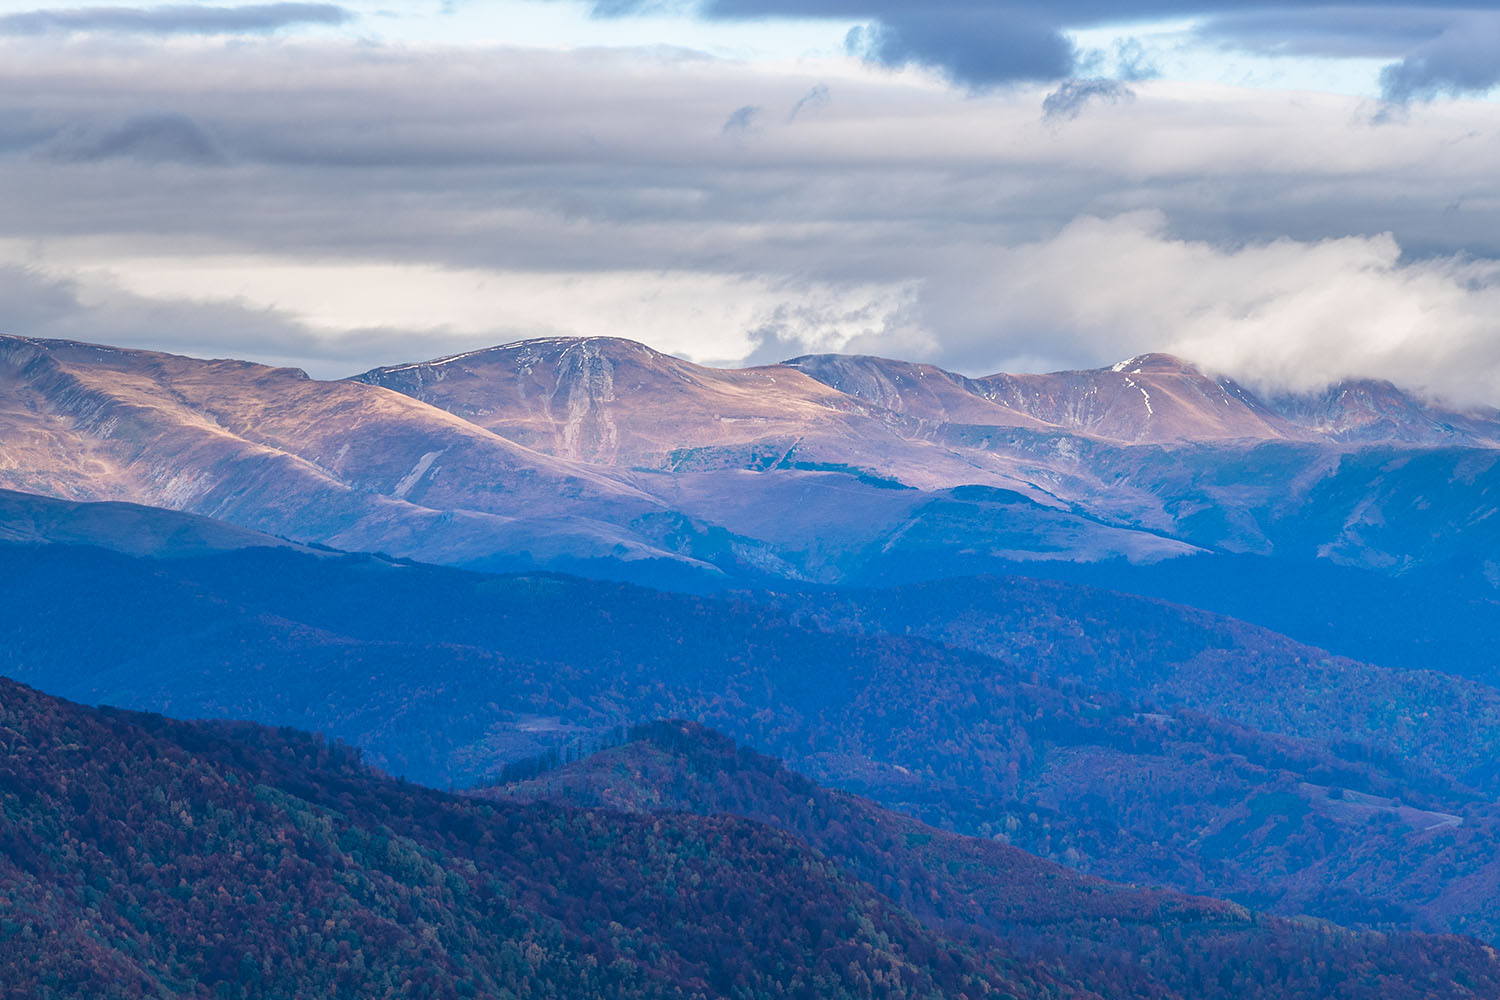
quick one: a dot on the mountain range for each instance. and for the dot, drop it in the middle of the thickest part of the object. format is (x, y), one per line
(605, 458)
(563, 453)
(1025, 643)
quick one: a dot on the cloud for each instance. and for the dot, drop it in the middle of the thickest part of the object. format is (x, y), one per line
(1133, 63)
(1068, 100)
(177, 19)
(816, 97)
(152, 138)
(1280, 313)
(836, 320)
(979, 46)
(982, 44)
(382, 204)
(741, 119)
(1463, 59)
(1438, 50)
(336, 318)
(1338, 31)
(42, 303)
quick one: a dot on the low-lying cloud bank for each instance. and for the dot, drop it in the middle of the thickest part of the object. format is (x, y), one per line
(1283, 314)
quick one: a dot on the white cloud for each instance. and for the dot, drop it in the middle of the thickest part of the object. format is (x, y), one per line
(331, 315)
(1282, 313)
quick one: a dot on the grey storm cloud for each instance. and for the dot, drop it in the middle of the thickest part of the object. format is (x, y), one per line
(346, 153)
(1068, 100)
(1461, 60)
(1448, 46)
(979, 46)
(1437, 51)
(741, 119)
(152, 138)
(175, 19)
(816, 97)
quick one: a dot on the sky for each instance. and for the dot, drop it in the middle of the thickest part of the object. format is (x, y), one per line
(1288, 193)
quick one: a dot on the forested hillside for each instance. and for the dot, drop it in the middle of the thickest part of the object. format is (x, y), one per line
(1118, 737)
(149, 858)
(1126, 939)
(144, 857)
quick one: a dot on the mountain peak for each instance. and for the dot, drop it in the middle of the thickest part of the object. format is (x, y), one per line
(1362, 410)
(614, 347)
(1155, 363)
(614, 401)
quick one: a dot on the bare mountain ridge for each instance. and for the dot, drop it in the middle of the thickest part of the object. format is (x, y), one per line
(1151, 399)
(617, 403)
(603, 399)
(575, 453)
(271, 450)
(1369, 410)
(361, 467)
(1155, 399)
(1152, 445)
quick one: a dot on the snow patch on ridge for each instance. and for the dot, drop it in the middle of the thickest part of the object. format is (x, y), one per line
(1144, 395)
(415, 475)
